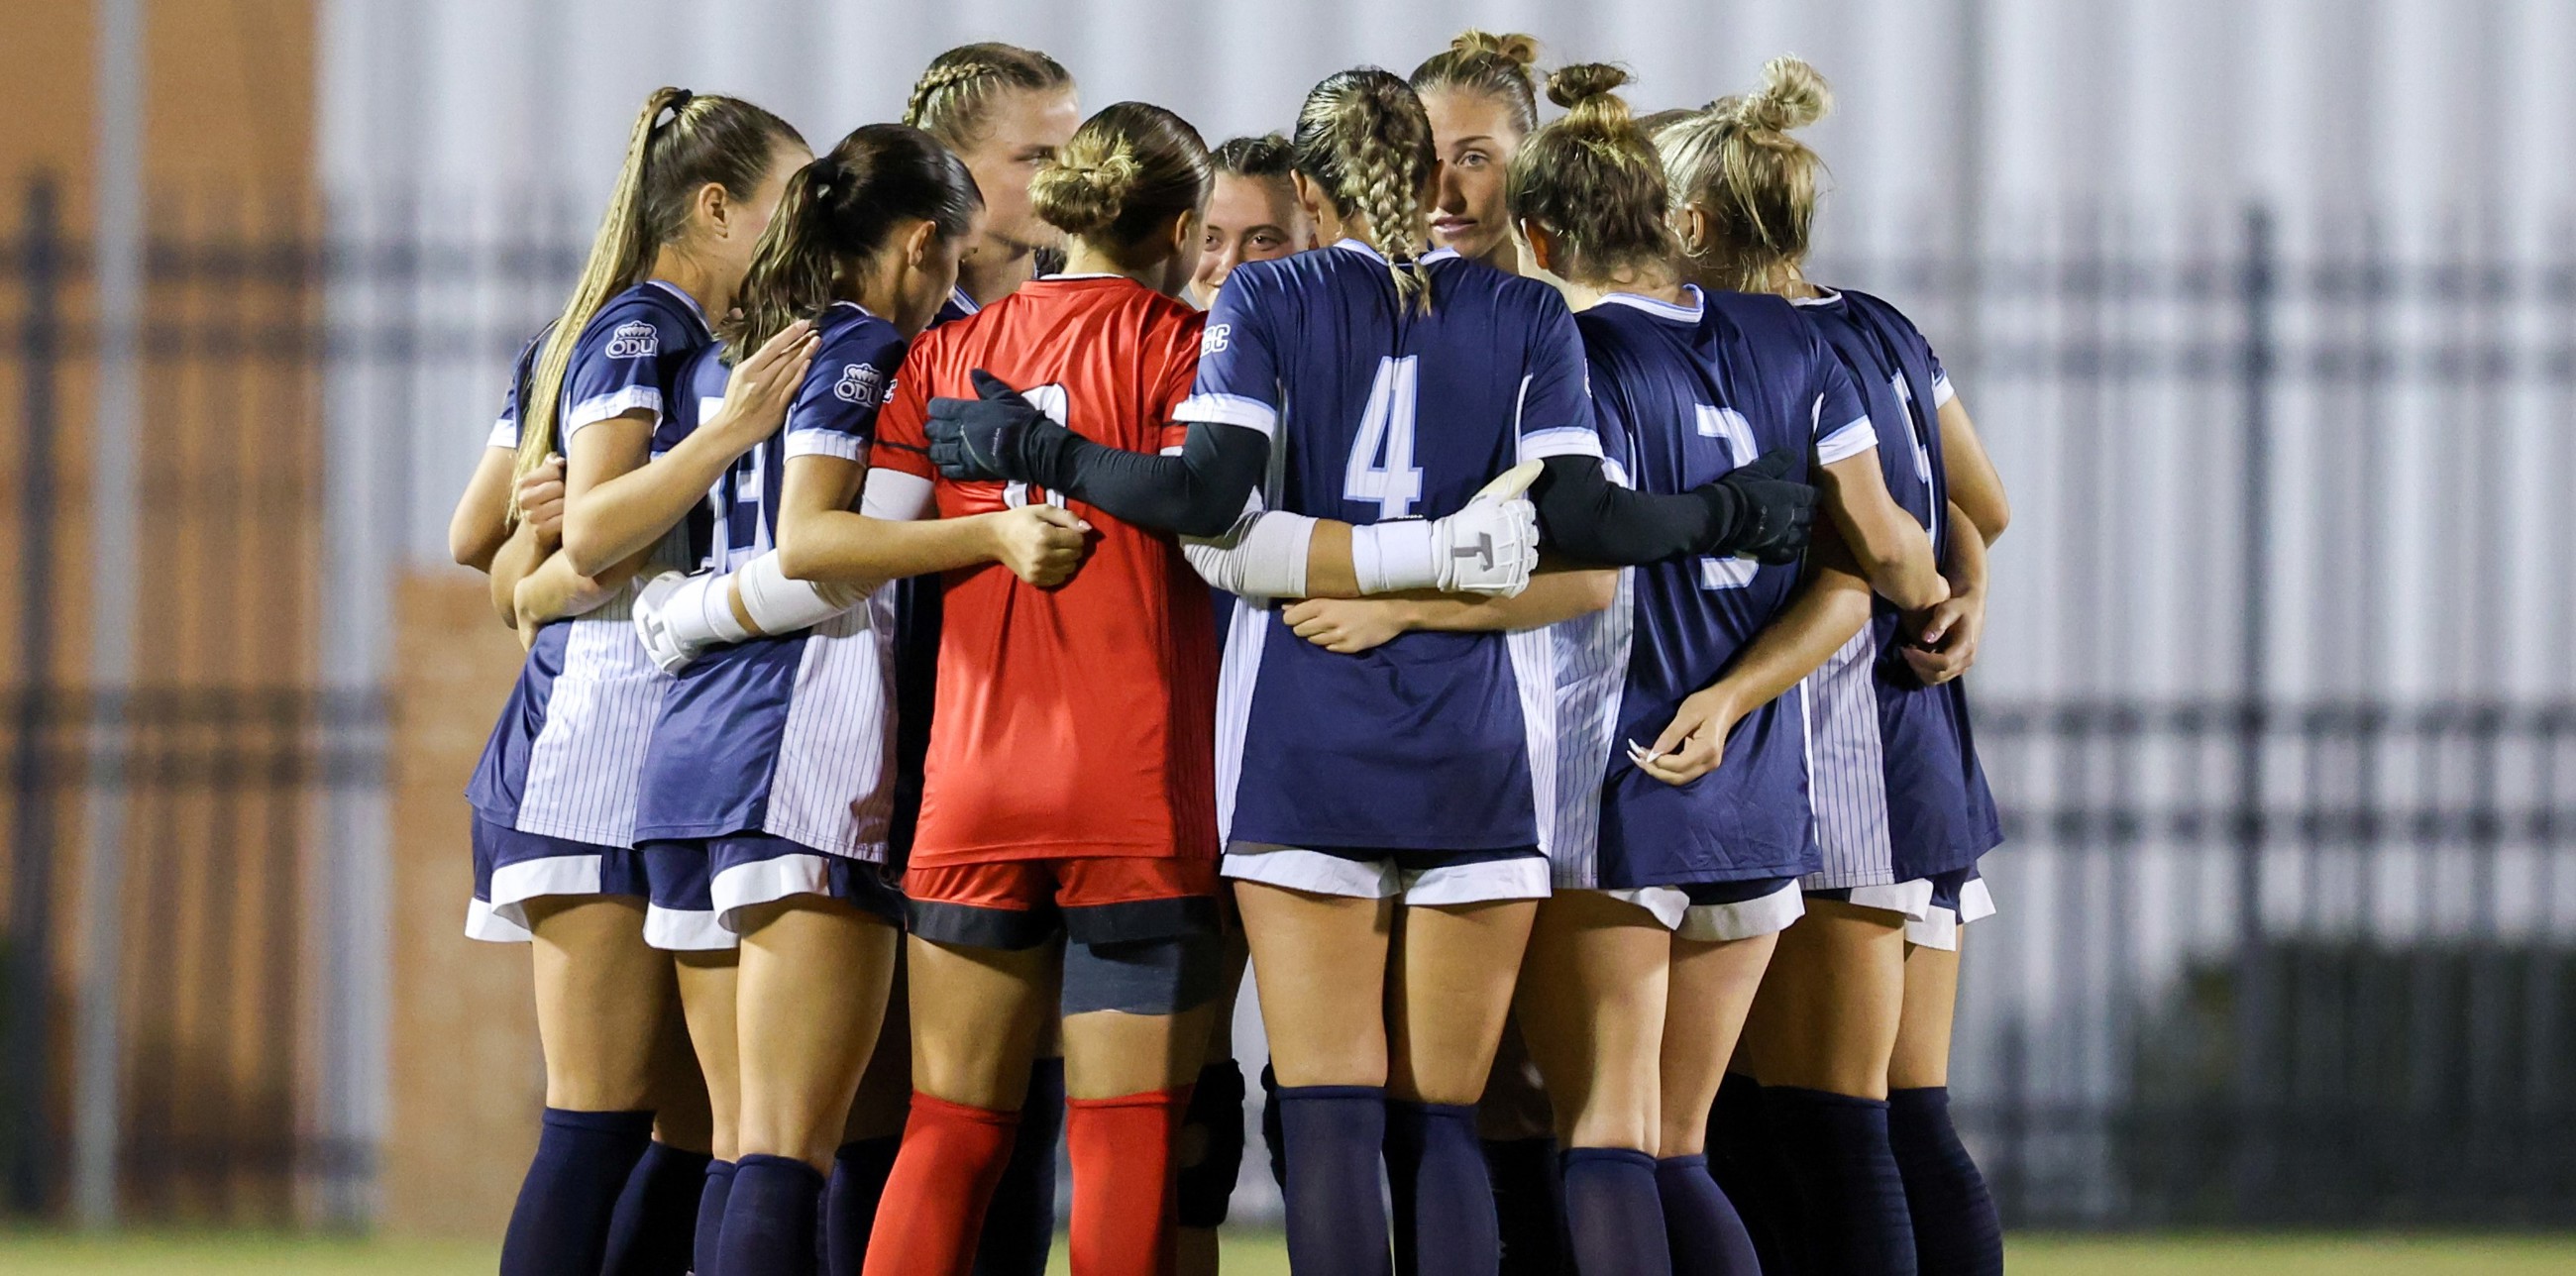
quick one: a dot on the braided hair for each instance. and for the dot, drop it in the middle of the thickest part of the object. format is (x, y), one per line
(1362, 136)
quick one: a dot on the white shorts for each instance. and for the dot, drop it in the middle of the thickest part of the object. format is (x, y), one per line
(1419, 878)
(1940, 927)
(1720, 911)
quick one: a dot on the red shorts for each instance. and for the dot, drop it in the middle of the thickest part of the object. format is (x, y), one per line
(1093, 899)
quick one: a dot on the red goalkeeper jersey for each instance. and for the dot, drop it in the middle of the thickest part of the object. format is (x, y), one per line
(1079, 720)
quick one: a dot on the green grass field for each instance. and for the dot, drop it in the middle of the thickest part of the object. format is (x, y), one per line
(1260, 1255)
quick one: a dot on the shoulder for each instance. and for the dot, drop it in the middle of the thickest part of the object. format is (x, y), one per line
(645, 321)
(1883, 315)
(857, 356)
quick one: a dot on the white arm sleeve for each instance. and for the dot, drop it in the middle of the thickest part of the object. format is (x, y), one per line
(1262, 556)
(782, 606)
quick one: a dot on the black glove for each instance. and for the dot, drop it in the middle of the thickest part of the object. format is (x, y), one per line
(995, 436)
(1765, 515)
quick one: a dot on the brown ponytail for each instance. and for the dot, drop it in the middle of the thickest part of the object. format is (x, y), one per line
(1494, 66)
(845, 205)
(956, 91)
(1593, 179)
(681, 142)
(1362, 136)
(1126, 173)
(1757, 185)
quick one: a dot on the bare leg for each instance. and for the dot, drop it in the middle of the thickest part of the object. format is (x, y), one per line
(1456, 968)
(805, 1037)
(1712, 989)
(1319, 962)
(1827, 1013)
(1922, 1052)
(707, 1005)
(602, 994)
(1592, 1009)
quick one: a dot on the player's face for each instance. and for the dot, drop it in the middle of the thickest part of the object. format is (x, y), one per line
(1022, 130)
(1248, 219)
(1475, 137)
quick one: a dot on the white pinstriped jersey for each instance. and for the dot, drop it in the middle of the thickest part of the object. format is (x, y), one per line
(566, 759)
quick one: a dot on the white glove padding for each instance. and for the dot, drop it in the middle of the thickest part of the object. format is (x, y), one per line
(680, 615)
(1262, 556)
(1489, 547)
(779, 605)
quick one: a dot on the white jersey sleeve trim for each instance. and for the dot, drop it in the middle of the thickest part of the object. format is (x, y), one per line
(505, 433)
(1851, 439)
(1942, 392)
(896, 496)
(824, 443)
(613, 404)
(1563, 440)
(1230, 409)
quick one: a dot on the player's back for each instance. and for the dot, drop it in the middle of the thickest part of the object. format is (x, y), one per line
(1094, 699)
(1380, 409)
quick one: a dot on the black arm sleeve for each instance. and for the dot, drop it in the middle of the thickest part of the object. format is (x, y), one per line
(1198, 493)
(1585, 515)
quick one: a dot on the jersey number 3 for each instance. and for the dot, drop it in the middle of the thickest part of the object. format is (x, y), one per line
(1381, 467)
(1730, 425)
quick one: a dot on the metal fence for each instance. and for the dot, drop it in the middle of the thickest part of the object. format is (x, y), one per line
(2274, 695)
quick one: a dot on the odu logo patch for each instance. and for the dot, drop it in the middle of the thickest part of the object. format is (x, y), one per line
(637, 340)
(861, 384)
(1213, 340)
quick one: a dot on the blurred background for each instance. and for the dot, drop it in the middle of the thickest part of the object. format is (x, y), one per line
(2266, 309)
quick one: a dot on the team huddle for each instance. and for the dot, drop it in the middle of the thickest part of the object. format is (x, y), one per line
(987, 581)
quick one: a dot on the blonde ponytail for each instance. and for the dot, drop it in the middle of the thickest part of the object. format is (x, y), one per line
(706, 138)
(1758, 185)
(1362, 136)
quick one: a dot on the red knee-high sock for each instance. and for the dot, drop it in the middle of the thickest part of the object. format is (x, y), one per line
(943, 1178)
(1124, 1184)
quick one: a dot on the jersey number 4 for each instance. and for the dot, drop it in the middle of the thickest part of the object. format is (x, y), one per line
(1381, 467)
(1730, 425)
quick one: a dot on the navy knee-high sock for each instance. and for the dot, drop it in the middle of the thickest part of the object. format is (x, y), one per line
(1614, 1212)
(1336, 1219)
(770, 1218)
(1956, 1231)
(654, 1229)
(711, 1208)
(858, 1182)
(1529, 1206)
(1019, 1226)
(560, 1225)
(1706, 1235)
(1435, 1161)
(1850, 1200)
(1740, 1159)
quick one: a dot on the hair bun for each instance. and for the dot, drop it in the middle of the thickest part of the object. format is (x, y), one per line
(1574, 85)
(1793, 95)
(1514, 47)
(1083, 190)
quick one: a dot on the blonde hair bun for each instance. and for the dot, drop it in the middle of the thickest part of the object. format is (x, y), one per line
(1083, 190)
(1510, 46)
(1793, 95)
(1582, 82)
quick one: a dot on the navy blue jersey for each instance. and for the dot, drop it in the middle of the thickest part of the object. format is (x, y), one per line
(1684, 395)
(505, 428)
(628, 353)
(1938, 813)
(1376, 411)
(784, 734)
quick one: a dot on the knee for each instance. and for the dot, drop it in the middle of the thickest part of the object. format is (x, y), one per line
(1211, 1145)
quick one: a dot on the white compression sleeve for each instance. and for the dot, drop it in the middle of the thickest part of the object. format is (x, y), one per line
(1262, 556)
(1390, 556)
(699, 612)
(779, 605)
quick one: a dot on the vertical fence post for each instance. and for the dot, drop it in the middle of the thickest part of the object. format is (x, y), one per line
(23, 1063)
(2257, 1123)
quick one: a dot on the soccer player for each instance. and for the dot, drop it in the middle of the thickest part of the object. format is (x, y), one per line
(1483, 102)
(790, 793)
(1667, 864)
(1068, 829)
(554, 795)
(1252, 214)
(1005, 110)
(1901, 805)
(1340, 776)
